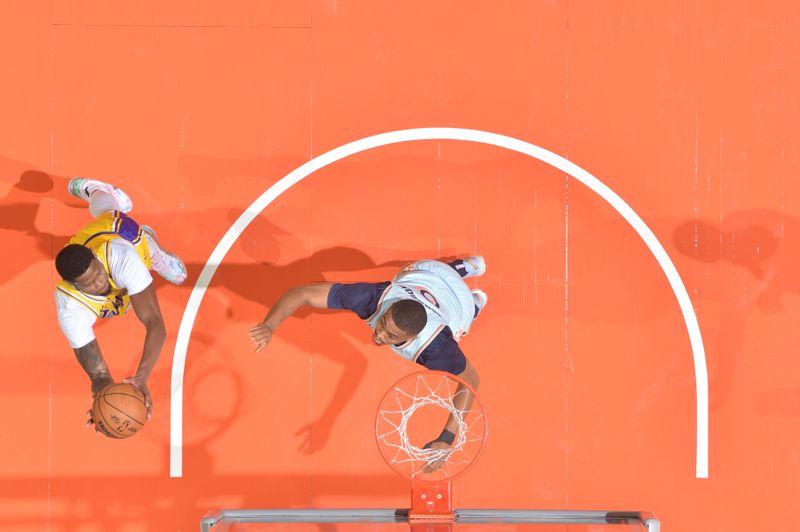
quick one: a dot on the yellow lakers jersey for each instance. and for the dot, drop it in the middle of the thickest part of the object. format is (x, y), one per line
(96, 236)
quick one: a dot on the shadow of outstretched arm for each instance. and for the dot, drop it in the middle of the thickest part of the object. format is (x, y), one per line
(314, 436)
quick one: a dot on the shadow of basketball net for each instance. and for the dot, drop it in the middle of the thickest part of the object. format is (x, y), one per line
(411, 416)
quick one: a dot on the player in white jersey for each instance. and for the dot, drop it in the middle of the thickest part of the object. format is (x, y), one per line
(422, 314)
(105, 270)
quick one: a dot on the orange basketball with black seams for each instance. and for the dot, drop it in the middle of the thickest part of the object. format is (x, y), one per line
(119, 410)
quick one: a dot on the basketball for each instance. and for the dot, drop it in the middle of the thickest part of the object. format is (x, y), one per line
(119, 410)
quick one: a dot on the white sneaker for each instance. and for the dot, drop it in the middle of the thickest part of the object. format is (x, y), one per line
(84, 188)
(475, 266)
(480, 298)
(166, 264)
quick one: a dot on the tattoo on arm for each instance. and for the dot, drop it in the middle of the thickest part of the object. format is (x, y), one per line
(91, 360)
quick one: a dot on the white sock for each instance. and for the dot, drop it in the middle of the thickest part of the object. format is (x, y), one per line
(100, 202)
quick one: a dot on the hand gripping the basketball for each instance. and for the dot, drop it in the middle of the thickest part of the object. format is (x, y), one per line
(99, 383)
(141, 383)
(101, 386)
(97, 428)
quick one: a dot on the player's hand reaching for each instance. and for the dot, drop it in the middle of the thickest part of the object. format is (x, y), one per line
(261, 335)
(97, 428)
(439, 451)
(439, 458)
(141, 383)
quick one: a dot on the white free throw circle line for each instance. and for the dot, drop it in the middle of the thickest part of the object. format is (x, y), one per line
(437, 133)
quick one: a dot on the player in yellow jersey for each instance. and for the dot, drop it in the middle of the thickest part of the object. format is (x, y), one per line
(105, 270)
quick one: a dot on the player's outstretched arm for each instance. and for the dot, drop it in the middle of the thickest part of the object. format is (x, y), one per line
(92, 362)
(463, 402)
(147, 310)
(313, 295)
(463, 397)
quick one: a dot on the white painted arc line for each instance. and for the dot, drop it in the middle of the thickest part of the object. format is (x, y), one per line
(468, 135)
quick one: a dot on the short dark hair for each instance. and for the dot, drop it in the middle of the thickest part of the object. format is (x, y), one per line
(73, 261)
(409, 316)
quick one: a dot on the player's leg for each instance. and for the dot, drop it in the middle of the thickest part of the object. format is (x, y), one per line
(101, 196)
(472, 267)
(165, 263)
(469, 266)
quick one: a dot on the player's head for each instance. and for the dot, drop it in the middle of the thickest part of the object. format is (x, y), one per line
(77, 264)
(401, 322)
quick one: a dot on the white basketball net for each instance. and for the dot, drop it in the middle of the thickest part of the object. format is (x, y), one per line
(397, 410)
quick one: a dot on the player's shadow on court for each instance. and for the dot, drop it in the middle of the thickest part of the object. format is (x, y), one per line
(265, 279)
(20, 211)
(265, 283)
(763, 242)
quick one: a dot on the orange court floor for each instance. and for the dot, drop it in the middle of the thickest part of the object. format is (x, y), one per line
(687, 111)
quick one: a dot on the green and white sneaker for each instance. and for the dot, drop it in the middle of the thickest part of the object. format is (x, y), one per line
(84, 188)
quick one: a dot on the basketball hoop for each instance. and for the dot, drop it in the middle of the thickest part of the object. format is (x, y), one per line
(411, 415)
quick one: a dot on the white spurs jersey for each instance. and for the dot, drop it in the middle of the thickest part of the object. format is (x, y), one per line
(439, 288)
